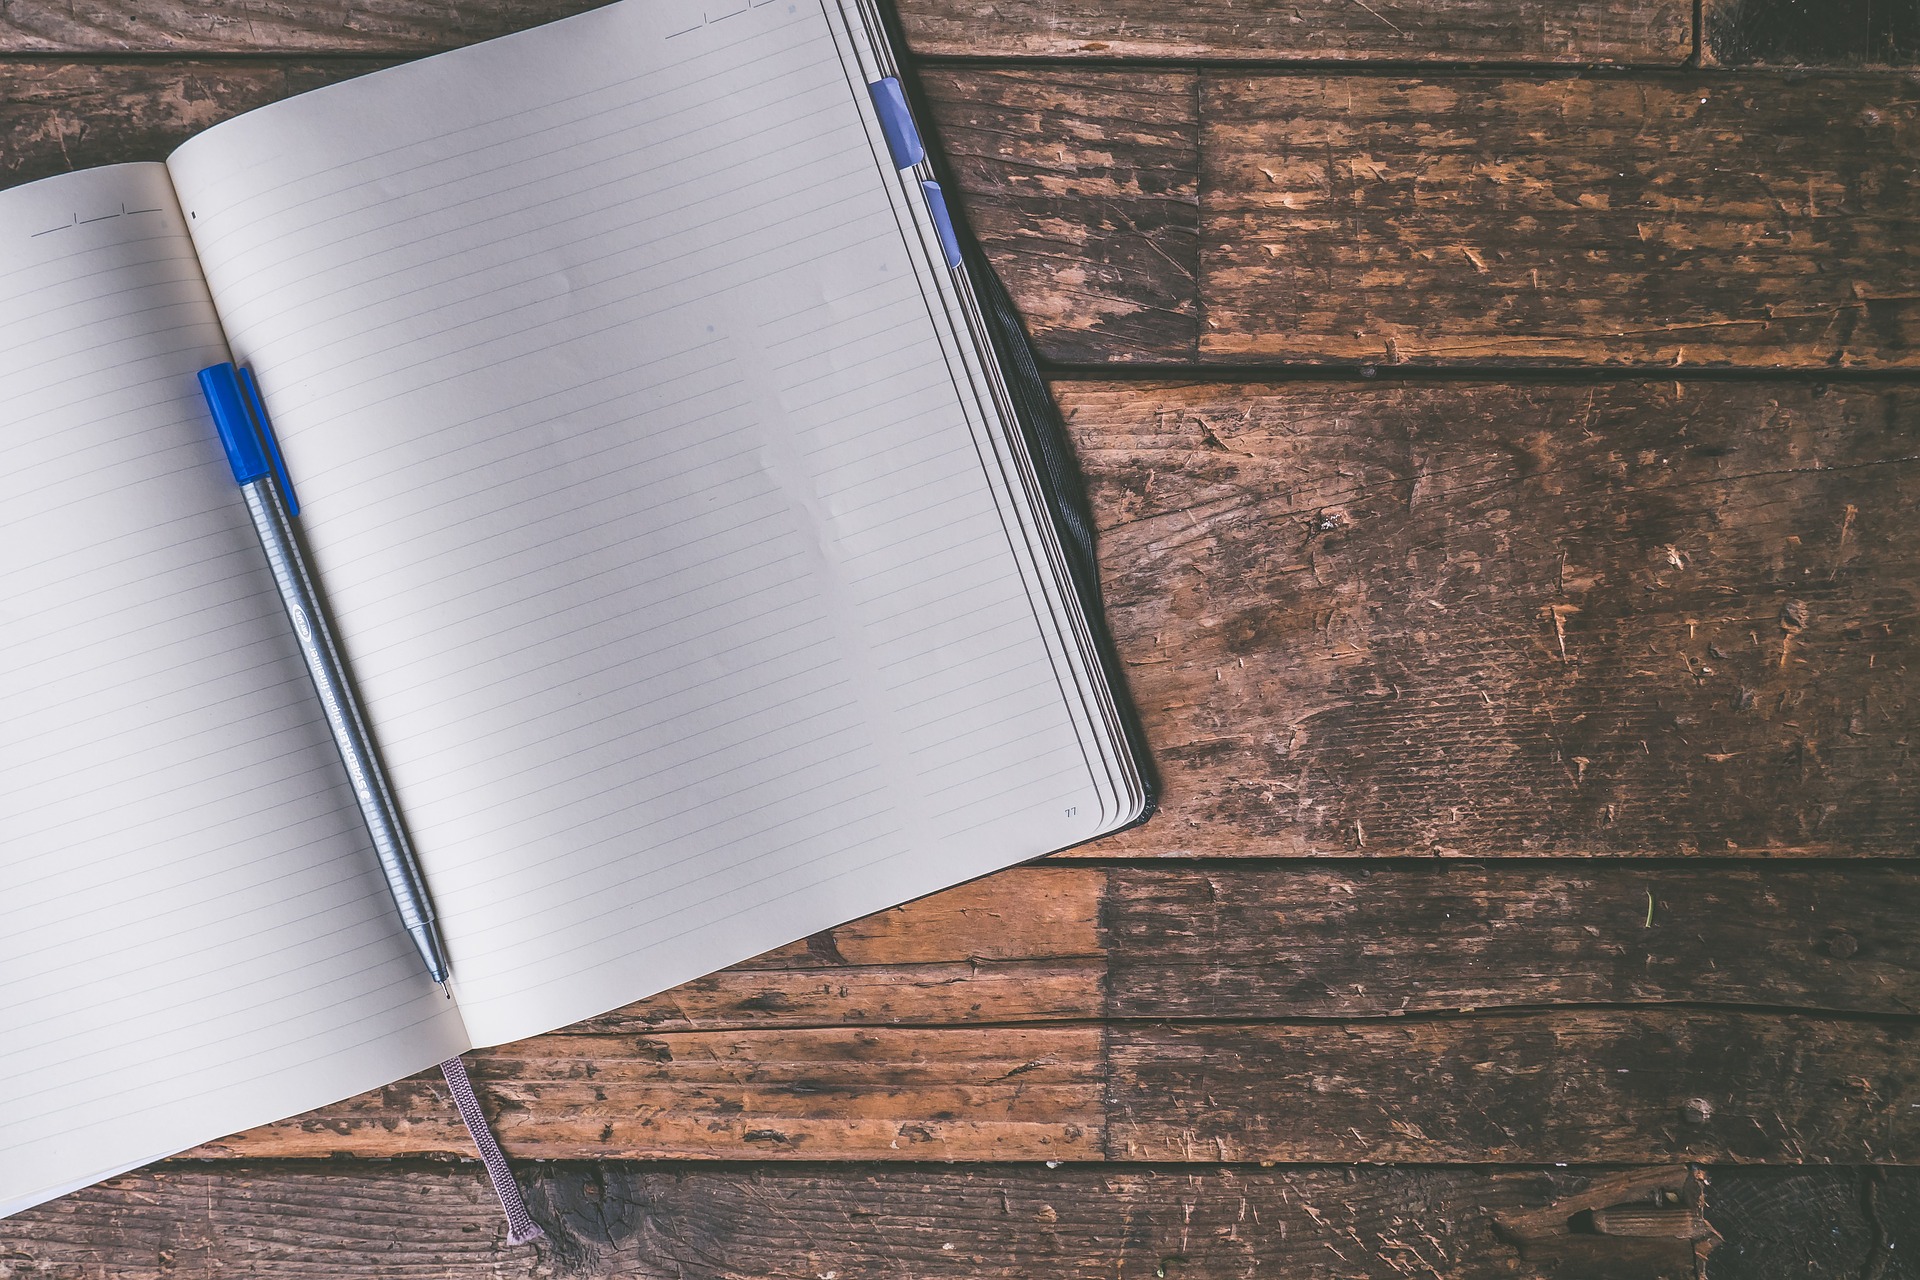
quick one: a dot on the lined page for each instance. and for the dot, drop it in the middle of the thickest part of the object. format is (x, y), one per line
(643, 491)
(194, 936)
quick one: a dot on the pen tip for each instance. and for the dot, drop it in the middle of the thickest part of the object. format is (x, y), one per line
(447, 990)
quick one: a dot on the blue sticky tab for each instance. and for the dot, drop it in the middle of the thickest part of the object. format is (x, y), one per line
(259, 408)
(903, 140)
(942, 222)
(221, 386)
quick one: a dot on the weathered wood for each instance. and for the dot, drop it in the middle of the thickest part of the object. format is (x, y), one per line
(916, 994)
(191, 1222)
(999, 1093)
(1464, 618)
(1798, 33)
(1631, 1087)
(1658, 32)
(1751, 222)
(1278, 941)
(198, 1222)
(1635, 1223)
(1083, 188)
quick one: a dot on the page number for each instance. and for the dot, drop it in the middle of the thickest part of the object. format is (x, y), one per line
(1073, 809)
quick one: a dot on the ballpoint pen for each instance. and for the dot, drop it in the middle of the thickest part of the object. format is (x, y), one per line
(240, 416)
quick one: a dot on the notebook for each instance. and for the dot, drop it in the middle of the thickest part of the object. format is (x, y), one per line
(702, 540)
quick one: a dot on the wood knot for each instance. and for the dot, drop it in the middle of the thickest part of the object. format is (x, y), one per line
(1842, 945)
(1794, 615)
(1696, 1111)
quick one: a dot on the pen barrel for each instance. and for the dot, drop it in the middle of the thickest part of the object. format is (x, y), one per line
(345, 718)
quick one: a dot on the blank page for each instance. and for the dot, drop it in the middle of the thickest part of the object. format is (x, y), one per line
(194, 937)
(644, 493)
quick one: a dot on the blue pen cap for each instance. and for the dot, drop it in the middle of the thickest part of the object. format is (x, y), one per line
(220, 383)
(251, 389)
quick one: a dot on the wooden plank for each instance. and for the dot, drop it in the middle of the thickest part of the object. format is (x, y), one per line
(1291, 941)
(1630, 1086)
(948, 993)
(196, 1222)
(1633, 1087)
(1656, 32)
(884, 1093)
(1475, 619)
(1846, 33)
(1749, 222)
(1659, 32)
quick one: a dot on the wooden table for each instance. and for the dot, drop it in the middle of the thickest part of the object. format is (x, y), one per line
(1503, 422)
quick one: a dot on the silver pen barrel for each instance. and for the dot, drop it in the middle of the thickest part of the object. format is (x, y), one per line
(267, 504)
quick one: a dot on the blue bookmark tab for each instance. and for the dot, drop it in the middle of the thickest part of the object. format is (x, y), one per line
(942, 222)
(903, 140)
(259, 407)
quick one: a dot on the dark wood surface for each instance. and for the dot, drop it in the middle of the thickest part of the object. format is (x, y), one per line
(1505, 462)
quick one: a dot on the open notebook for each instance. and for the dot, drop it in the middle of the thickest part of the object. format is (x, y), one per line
(699, 535)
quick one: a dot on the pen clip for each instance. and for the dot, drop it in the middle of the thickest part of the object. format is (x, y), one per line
(257, 408)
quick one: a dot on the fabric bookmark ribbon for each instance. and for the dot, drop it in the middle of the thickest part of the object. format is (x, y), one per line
(521, 1228)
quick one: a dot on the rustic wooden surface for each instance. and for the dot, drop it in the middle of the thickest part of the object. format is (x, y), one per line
(1505, 475)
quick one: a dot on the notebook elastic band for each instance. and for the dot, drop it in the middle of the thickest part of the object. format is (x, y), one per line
(521, 1228)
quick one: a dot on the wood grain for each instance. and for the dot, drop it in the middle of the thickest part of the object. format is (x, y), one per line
(1794, 33)
(1750, 222)
(1477, 619)
(197, 1222)
(1291, 941)
(1651, 32)
(1083, 188)
(1610, 1085)
(1587, 31)
(1335, 940)
(1633, 1087)
(797, 1223)
(883, 1093)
